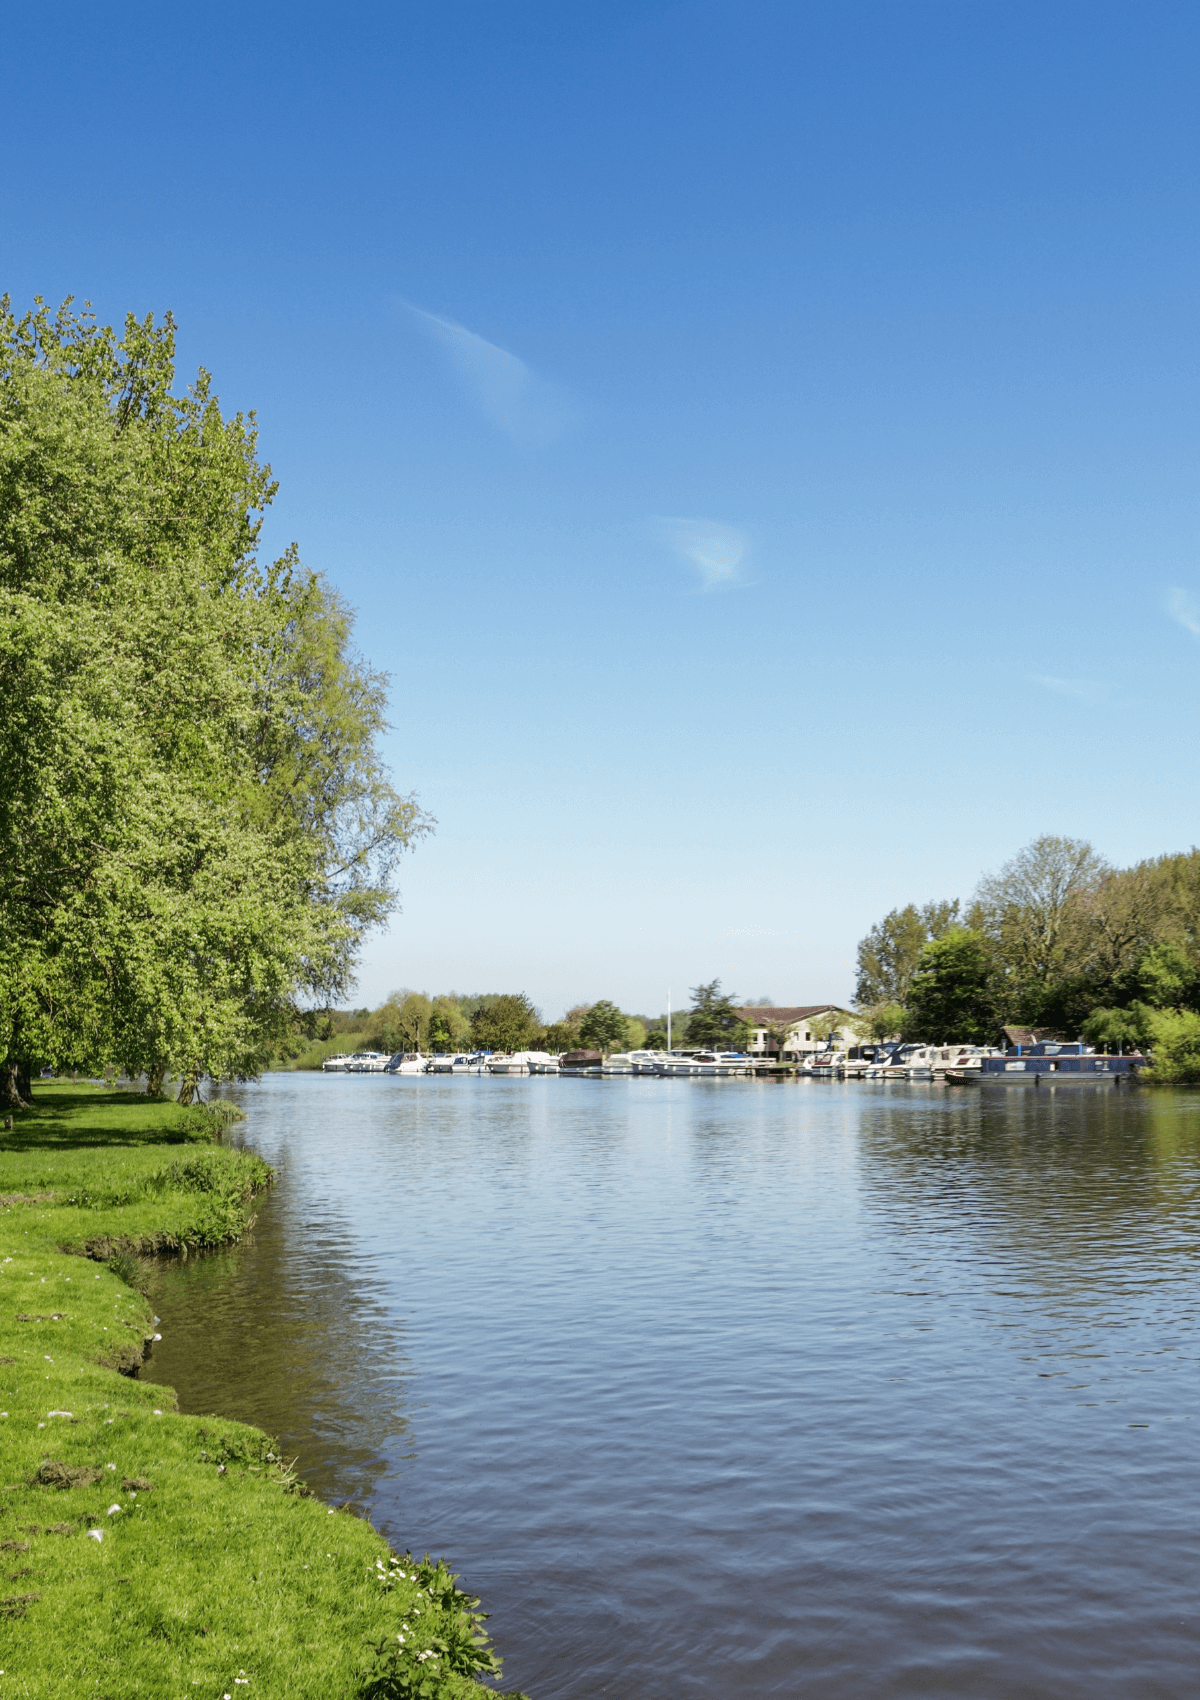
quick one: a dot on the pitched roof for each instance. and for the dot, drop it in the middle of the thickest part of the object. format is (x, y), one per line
(770, 1015)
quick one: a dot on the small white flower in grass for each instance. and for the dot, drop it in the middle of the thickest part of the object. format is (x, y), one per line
(113, 1509)
(96, 1534)
(110, 1466)
(109, 1420)
(158, 1413)
(41, 1425)
(47, 1357)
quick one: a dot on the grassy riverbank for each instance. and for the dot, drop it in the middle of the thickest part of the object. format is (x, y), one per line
(144, 1553)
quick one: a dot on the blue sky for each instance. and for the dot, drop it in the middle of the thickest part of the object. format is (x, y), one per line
(760, 439)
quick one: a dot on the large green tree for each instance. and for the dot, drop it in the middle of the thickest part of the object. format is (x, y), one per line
(604, 1027)
(195, 824)
(952, 996)
(713, 1023)
(507, 1022)
(887, 957)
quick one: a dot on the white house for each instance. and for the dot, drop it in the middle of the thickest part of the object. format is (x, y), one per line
(805, 1029)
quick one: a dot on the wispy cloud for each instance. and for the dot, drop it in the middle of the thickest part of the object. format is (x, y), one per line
(716, 551)
(1183, 607)
(1083, 690)
(529, 409)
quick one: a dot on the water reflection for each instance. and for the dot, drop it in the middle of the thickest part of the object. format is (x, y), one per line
(719, 1388)
(278, 1333)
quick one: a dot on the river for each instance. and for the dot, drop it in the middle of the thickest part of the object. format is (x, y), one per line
(724, 1388)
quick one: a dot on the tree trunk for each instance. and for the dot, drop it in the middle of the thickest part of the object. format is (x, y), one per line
(188, 1088)
(154, 1080)
(14, 1075)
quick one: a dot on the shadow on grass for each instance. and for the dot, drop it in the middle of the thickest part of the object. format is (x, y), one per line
(89, 1119)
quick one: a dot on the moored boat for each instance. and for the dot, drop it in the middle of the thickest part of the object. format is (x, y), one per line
(408, 1062)
(586, 1062)
(1053, 1063)
(367, 1062)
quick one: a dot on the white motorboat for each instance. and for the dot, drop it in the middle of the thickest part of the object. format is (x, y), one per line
(895, 1065)
(518, 1063)
(700, 1065)
(461, 1063)
(336, 1065)
(827, 1065)
(541, 1062)
(408, 1062)
(368, 1062)
(618, 1062)
(967, 1062)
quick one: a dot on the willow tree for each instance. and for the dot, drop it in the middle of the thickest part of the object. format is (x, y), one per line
(196, 827)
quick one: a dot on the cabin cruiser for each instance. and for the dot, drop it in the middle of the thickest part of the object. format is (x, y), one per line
(617, 1062)
(460, 1063)
(700, 1065)
(585, 1061)
(893, 1063)
(367, 1062)
(336, 1065)
(408, 1062)
(960, 1062)
(826, 1065)
(520, 1062)
(541, 1062)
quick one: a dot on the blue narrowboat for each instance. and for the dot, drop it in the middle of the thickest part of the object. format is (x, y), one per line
(1053, 1062)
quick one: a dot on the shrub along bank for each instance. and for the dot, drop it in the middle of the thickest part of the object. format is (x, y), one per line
(145, 1553)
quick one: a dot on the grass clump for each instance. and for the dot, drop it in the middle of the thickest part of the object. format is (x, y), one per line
(147, 1554)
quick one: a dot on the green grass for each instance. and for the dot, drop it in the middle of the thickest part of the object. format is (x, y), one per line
(221, 1576)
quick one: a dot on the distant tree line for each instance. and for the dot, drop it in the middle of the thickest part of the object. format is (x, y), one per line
(508, 1021)
(1057, 939)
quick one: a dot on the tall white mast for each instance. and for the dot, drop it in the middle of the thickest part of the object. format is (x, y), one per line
(668, 1018)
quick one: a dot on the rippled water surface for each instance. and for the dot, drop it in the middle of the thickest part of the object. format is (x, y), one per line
(737, 1387)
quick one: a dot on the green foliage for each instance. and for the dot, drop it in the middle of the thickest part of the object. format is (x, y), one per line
(713, 1023)
(508, 1022)
(1114, 1029)
(604, 1027)
(559, 1037)
(882, 1020)
(952, 995)
(655, 1040)
(195, 825)
(887, 957)
(449, 1027)
(458, 1646)
(1175, 1046)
